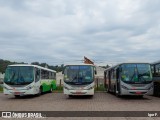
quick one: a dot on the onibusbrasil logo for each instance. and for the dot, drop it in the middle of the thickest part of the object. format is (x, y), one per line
(23, 115)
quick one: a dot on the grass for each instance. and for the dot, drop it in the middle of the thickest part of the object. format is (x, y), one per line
(1, 89)
(100, 88)
(58, 89)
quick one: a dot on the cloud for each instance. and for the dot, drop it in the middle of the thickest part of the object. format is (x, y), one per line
(61, 31)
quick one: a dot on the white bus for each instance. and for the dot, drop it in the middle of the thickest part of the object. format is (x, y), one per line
(23, 79)
(129, 79)
(79, 79)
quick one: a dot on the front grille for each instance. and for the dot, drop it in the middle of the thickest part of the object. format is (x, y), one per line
(138, 92)
(138, 85)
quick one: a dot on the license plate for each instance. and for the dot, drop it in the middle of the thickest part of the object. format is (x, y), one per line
(17, 93)
(138, 93)
(78, 92)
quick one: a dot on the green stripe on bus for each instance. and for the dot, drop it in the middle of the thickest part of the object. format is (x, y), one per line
(47, 84)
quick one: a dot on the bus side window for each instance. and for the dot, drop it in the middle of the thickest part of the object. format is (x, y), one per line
(117, 73)
(37, 74)
(152, 69)
(50, 75)
(54, 76)
(113, 72)
(46, 74)
(157, 70)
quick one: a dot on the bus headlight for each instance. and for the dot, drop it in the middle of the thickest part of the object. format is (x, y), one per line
(89, 88)
(29, 87)
(124, 87)
(5, 88)
(151, 87)
(66, 87)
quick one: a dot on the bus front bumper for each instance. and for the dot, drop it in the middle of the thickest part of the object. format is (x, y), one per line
(137, 92)
(78, 92)
(20, 92)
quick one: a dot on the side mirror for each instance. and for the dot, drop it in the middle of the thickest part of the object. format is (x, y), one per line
(95, 72)
(63, 71)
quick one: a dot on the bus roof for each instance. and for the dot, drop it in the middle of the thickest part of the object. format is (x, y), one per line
(33, 66)
(126, 63)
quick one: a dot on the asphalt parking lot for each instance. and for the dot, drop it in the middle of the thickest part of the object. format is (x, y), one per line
(101, 101)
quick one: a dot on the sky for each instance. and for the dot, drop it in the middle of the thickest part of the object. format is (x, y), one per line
(64, 31)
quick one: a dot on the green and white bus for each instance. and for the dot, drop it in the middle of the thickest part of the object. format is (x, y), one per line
(129, 79)
(24, 79)
(79, 79)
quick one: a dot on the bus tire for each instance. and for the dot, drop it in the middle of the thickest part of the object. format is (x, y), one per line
(156, 89)
(51, 90)
(107, 89)
(91, 96)
(140, 96)
(40, 91)
(70, 96)
(118, 95)
(17, 96)
(115, 92)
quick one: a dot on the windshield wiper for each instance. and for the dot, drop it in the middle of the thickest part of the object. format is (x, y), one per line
(132, 77)
(144, 74)
(140, 77)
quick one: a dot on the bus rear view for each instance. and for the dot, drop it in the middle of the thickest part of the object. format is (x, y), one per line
(79, 79)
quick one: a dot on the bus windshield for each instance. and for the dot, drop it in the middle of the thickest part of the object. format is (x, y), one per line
(78, 74)
(136, 73)
(19, 75)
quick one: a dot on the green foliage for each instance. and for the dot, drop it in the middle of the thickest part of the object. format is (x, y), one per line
(5, 63)
(100, 88)
(1, 88)
(56, 68)
(59, 88)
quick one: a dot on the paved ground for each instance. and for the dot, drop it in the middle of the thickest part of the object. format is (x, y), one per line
(100, 102)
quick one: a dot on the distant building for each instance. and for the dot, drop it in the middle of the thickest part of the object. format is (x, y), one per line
(100, 74)
(59, 78)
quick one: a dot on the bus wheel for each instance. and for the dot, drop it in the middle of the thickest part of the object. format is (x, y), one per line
(115, 90)
(118, 95)
(17, 96)
(51, 90)
(107, 89)
(70, 96)
(91, 96)
(140, 96)
(40, 91)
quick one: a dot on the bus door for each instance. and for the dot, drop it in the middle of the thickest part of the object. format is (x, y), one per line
(105, 79)
(118, 79)
(37, 79)
(109, 80)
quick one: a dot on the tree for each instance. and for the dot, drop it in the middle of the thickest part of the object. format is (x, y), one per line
(35, 63)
